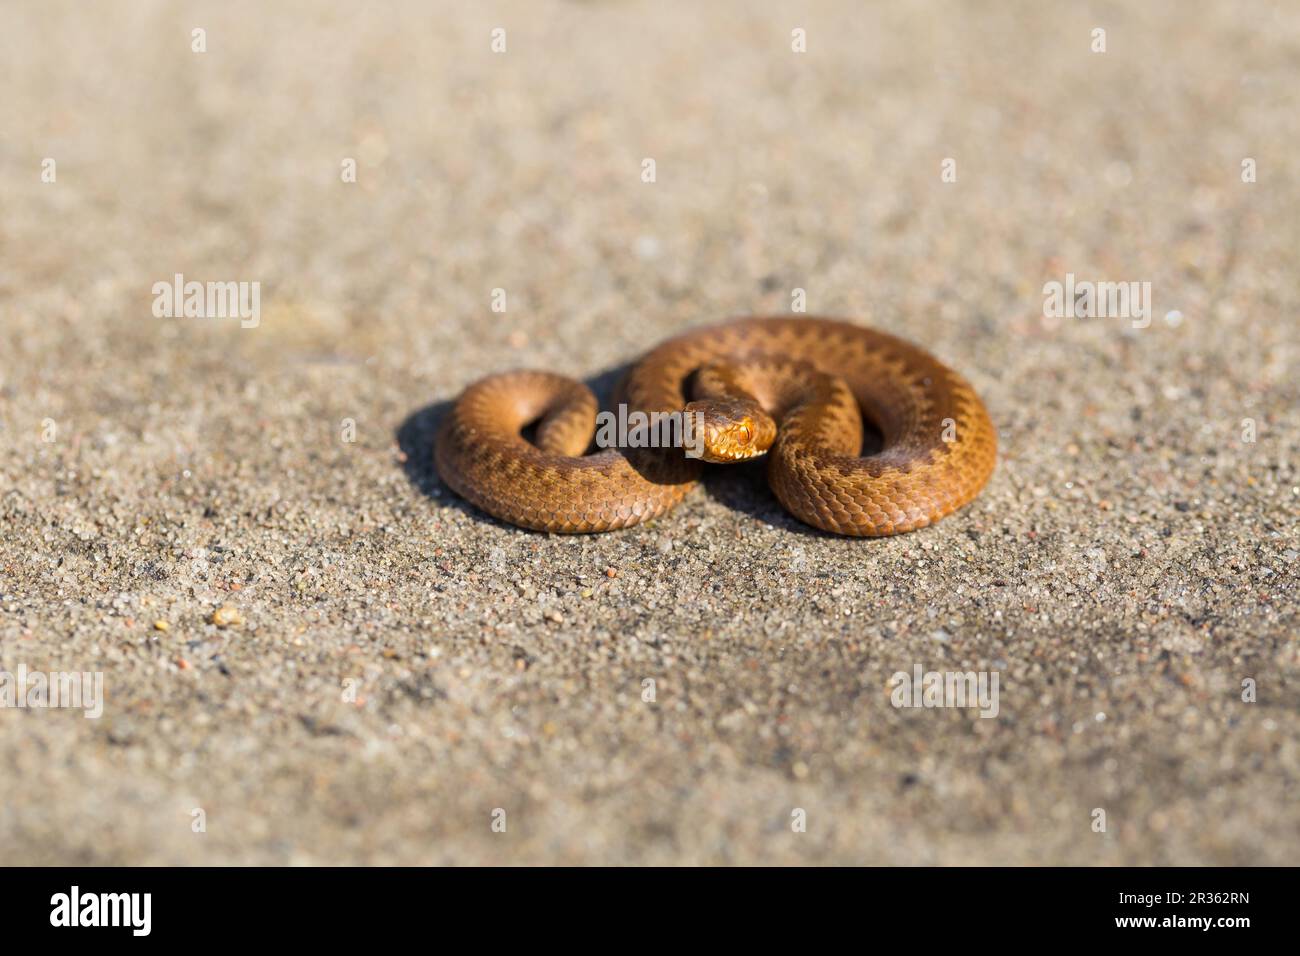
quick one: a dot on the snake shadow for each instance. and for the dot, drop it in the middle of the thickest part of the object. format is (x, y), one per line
(415, 437)
(741, 488)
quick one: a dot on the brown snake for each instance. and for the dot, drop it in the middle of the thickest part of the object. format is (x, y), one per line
(795, 389)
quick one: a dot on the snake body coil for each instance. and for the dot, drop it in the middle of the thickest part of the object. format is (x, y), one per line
(795, 389)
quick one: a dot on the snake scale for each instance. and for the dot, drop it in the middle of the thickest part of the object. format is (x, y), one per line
(796, 390)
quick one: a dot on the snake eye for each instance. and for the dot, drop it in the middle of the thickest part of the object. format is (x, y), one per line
(743, 434)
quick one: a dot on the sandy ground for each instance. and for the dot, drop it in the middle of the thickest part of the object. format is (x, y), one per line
(402, 668)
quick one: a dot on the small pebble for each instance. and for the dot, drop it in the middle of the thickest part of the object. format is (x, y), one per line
(227, 616)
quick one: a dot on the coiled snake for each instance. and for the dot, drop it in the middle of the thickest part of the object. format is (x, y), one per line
(793, 389)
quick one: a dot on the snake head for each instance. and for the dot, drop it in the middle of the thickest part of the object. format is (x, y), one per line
(727, 430)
